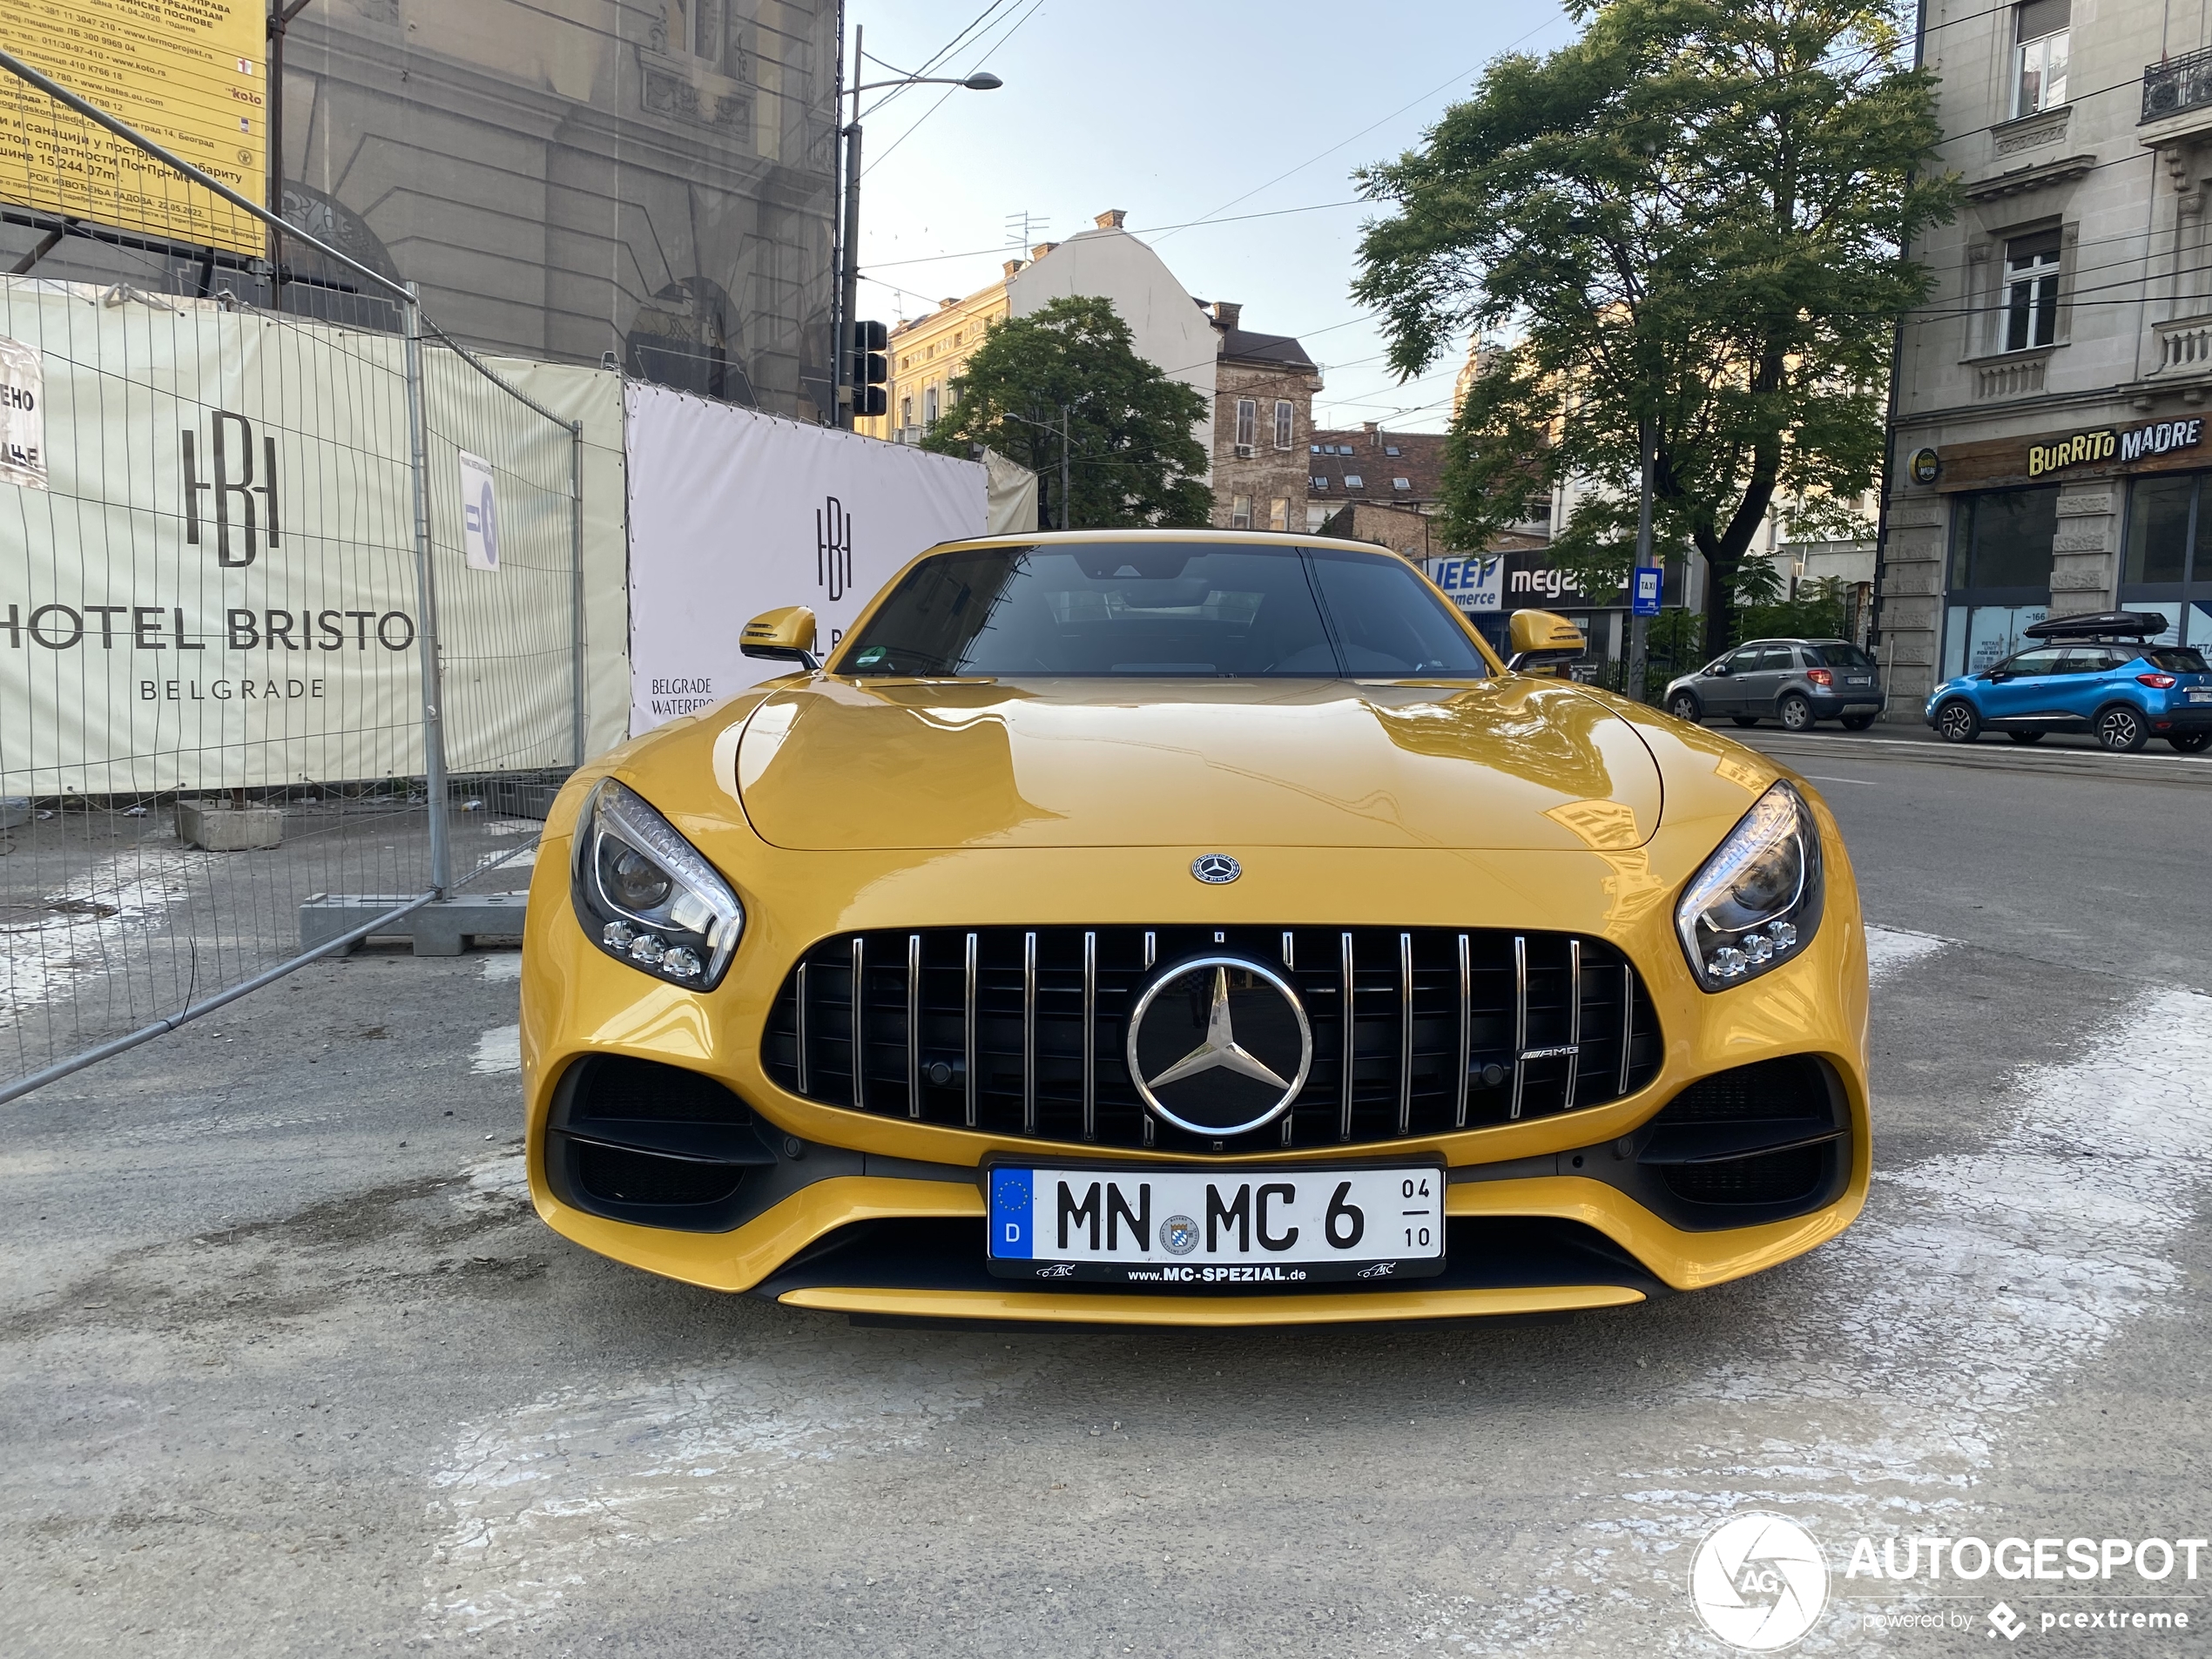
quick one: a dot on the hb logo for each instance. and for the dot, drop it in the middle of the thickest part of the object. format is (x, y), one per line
(832, 548)
(233, 484)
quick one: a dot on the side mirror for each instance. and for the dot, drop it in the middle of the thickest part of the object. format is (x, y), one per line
(784, 636)
(1542, 640)
(1718, 670)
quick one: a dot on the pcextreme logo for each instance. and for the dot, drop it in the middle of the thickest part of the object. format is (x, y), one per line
(1758, 1583)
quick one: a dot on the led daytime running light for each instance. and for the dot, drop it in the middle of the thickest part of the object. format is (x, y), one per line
(1756, 902)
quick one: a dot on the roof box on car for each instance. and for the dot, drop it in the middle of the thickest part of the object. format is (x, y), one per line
(2104, 624)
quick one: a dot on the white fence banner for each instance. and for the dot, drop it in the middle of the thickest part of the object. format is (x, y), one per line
(732, 513)
(209, 580)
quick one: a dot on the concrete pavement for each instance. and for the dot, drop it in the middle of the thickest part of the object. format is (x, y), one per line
(286, 1366)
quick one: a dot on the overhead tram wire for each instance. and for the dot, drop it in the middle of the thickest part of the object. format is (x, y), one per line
(884, 154)
(935, 59)
(1449, 81)
(1235, 218)
(1215, 216)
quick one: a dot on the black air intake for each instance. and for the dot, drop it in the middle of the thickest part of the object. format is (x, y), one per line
(635, 1140)
(1771, 1137)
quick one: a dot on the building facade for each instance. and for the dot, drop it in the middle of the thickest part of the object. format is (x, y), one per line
(1263, 387)
(2048, 453)
(1168, 328)
(646, 182)
(1403, 469)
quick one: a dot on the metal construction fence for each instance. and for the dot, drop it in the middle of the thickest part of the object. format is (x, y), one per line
(291, 627)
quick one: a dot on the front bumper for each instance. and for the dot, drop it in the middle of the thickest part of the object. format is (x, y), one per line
(875, 1216)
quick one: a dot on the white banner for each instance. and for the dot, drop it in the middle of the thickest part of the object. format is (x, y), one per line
(217, 587)
(732, 513)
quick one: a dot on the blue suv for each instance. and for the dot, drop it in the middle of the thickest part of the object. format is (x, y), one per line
(2092, 674)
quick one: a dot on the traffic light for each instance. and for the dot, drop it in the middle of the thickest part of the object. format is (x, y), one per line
(871, 368)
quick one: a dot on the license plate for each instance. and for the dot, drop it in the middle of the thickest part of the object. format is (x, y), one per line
(2197, 695)
(1193, 1229)
(1859, 679)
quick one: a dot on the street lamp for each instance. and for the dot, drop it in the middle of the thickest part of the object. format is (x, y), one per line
(849, 277)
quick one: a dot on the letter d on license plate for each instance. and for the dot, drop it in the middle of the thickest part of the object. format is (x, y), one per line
(1186, 1229)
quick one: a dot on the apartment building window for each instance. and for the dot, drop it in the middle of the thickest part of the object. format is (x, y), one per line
(1279, 513)
(929, 407)
(905, 411)
(2041, 29)
(1247, 422)
(1240, 512)
(1283, 418)
(2031, 291)
(688, 26)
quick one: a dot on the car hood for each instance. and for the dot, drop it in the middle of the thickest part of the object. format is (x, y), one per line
(1515, 764)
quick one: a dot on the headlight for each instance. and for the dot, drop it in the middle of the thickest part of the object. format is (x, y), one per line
(1757, 902)
(643, 894)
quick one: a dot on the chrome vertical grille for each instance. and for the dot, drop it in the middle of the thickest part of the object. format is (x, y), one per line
(1023, 1031)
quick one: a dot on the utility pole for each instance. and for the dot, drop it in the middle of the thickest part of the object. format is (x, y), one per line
(1640, 627)
(1067, 502)
(281, 17)
(848, 296)
(849, 275)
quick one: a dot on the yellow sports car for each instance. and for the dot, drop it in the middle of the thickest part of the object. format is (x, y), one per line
(1177, 928)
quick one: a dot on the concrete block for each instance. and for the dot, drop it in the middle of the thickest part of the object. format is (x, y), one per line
(218, 826)
(442, 927)
(14, 811)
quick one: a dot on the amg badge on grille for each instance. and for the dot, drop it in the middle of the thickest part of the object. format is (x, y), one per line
(1219, 1045)
(1216, 868)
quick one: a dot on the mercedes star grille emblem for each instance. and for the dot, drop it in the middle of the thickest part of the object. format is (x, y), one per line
(1219, 1045)
(1216, 868)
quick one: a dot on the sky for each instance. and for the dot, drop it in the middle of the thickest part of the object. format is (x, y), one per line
(1248, 115)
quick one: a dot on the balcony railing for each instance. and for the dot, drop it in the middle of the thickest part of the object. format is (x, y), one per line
(2177, 84)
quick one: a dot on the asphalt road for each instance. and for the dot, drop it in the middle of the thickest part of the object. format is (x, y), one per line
(286, 1367)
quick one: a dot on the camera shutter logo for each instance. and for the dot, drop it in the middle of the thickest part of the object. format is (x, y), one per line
(1759, 1582)
(479, 513)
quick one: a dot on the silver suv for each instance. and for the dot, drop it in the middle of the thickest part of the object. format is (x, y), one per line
(1795, 681)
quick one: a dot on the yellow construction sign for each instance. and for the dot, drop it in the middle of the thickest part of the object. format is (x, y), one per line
(188, 74)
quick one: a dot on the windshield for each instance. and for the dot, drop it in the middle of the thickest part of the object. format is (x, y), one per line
(1836, 654)
(2178, 660)
(1156, 609)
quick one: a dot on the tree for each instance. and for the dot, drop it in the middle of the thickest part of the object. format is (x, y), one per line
(1132, 461)
(1757, 582)
(1694, 216)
